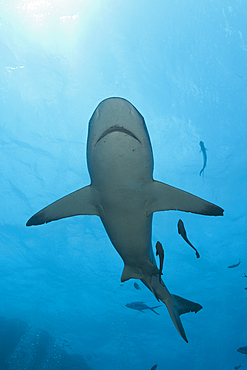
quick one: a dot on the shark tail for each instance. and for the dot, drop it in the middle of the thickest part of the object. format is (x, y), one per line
(178, 306)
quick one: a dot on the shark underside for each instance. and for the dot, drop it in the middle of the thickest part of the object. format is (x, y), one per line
(124, 195)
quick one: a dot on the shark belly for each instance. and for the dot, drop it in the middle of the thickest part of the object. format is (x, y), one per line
(122, 176)
(130, 234)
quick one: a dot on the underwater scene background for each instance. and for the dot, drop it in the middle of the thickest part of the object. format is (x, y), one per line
(183, 65)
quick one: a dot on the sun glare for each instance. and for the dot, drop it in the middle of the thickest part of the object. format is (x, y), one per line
(55, 22)
(35, 9)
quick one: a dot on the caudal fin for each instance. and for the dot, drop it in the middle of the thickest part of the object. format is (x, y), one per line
(175, 304)
(178, 306)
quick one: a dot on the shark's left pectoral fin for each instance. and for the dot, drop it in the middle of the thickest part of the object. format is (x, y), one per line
(80, 202)
(164, 197)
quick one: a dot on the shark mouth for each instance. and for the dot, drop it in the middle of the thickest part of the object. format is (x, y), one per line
(118, 129)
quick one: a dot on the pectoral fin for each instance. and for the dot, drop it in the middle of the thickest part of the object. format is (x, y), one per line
(165, 197)
(79, 202)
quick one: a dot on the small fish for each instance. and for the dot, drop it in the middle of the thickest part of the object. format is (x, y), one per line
(182, 232)
(244, 275)
(160, 253)
(245, 288)
(204, 154)
(237, 367)
(137, 286)
(140, 306)
(236, 265)
(243, 350)
(154, 367)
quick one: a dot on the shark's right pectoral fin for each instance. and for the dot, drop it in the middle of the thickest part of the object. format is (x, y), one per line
(164, 197)
(80, 202)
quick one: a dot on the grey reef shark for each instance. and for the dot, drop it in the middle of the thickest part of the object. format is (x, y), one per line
(124, 195)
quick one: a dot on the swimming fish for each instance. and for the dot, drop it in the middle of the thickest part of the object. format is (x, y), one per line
(160, 253)
(154, 367)
(243, 350)
(140, 306)
(137, 286)
(124, 195)
(236, 265)
(244, 275)
(182, 232)
(204, 154)
(237, 367)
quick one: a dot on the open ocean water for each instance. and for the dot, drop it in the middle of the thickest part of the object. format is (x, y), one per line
(183, 65)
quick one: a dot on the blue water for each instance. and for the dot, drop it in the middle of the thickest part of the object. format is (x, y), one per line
(183, 65)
